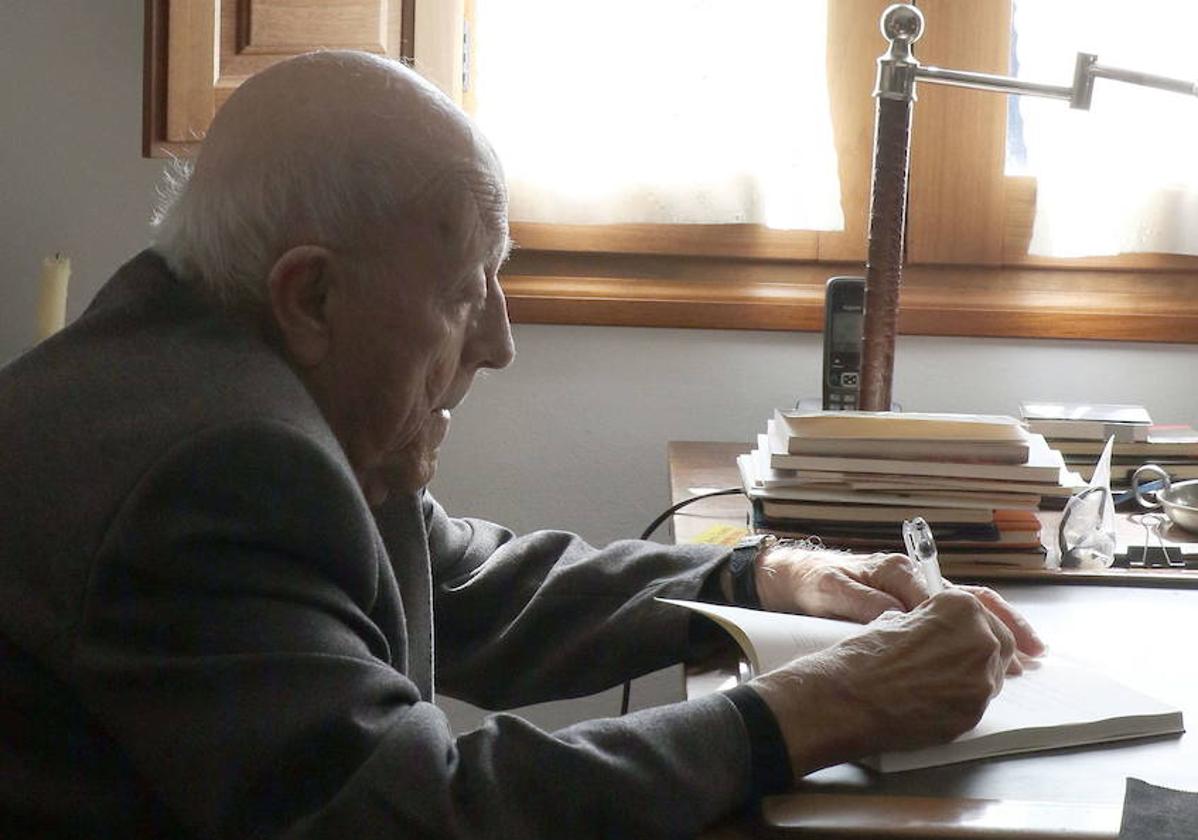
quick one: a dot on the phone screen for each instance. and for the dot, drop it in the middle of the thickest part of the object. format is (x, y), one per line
(846, 330)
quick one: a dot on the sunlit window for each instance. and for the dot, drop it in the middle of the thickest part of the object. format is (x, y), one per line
(659, 111)
(1123, 176)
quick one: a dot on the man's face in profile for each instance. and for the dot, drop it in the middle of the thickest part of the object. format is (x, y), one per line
(410, 335)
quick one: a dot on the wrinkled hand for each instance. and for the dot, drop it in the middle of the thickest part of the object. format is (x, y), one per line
(861, 587)
(836, 584)
(911, 680)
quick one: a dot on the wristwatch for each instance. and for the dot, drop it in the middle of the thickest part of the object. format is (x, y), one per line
(742, 566)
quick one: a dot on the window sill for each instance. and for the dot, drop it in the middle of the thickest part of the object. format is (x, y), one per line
(936, 300)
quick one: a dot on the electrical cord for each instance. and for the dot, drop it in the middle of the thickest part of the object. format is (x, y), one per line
(648, 532)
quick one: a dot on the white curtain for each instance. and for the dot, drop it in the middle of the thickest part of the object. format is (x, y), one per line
(659, 111)
(1123, 176)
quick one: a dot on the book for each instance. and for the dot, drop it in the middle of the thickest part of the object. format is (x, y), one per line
(1042, 464)
(1080, 412)
(1087, 421)
(1172, 433)
(929, 497)
(893, 425)
(763, 476)
(1055, 703)
(951, 525)
(1006, 451)
(970, 544)
(1029, 557)
(812, 512)
(877, 535)
(1144, 450)
(910, 483)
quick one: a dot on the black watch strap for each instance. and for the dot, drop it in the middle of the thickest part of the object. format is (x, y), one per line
(742, 566)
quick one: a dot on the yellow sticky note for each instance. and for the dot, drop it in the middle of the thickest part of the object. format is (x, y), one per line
(722, 535)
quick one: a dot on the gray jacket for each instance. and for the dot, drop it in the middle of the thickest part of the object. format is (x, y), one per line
(205, 631)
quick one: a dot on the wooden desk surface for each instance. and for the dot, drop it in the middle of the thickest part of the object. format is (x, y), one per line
(1137, 634)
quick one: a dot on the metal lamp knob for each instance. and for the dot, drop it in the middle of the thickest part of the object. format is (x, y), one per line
(902, 22)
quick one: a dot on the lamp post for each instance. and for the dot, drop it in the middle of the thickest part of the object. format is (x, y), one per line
(898, 72)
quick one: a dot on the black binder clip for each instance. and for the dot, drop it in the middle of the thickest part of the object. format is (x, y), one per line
(1154, 556)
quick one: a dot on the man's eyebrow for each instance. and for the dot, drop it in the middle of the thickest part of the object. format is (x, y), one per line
(501, 250)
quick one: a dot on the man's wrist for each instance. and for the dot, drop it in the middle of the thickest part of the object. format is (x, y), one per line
(769, 760)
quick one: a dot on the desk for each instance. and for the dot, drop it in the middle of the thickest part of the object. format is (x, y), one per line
(1137, 634)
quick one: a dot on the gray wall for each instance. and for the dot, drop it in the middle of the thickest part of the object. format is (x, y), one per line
(573, 435)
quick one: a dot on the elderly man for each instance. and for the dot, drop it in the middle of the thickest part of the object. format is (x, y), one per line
(220, 573)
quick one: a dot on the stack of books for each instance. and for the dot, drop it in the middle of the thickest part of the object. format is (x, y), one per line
(1079, 431)
(852, 478)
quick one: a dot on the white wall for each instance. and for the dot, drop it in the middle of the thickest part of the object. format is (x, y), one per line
(71, 174)
(573, 435)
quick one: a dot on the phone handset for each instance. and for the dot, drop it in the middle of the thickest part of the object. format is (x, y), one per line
(844, 308)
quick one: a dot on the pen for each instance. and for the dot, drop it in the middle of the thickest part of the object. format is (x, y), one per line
(921, 548)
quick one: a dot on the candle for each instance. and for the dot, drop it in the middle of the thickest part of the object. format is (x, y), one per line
(52, 295)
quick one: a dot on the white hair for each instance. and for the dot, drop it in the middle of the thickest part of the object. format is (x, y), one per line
(328, 179)
(225, 234)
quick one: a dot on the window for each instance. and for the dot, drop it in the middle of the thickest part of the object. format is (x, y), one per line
(1120, 177)
(658, 113)
(969, 226)
(969, 271)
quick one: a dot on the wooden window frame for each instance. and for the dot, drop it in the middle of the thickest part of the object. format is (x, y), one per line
(967, 274)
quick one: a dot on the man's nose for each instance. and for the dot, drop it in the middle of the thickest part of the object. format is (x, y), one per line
(494, 346)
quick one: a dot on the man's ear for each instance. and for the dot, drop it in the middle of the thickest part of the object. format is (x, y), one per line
(299, 286)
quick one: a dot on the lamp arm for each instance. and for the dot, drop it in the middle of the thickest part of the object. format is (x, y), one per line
(989, 81)
(1136, 77)
(1079, 94)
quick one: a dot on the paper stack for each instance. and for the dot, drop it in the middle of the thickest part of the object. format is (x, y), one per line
(851, 478)
(1080, 430)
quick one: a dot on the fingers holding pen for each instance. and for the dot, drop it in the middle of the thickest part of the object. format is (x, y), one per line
(898, 575)
(980, 635)
(1027, 640)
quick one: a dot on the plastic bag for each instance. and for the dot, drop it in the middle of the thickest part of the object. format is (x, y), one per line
(1086, 538)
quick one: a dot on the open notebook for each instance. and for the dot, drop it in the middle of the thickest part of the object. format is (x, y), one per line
(1054, 703)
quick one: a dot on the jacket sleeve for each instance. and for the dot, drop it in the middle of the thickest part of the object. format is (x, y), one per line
(522, 619)
(226, 644)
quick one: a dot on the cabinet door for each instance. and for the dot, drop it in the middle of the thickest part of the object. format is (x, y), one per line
(199, 51)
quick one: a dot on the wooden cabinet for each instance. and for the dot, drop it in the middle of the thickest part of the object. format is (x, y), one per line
(199, 51)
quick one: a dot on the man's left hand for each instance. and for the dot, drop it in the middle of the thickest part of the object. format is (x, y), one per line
(860, 587)
(836, 584)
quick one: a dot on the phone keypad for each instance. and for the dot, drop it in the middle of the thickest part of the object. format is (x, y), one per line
(842, 402)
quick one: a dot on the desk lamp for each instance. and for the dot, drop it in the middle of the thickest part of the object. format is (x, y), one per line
(898, 70)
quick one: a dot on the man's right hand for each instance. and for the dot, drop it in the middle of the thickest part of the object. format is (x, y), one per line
(910, 680)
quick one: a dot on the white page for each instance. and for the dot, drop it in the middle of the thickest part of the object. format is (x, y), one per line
(1054, 703)
(773, 639)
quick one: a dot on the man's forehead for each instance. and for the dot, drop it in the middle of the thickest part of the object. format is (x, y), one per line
(475, 217)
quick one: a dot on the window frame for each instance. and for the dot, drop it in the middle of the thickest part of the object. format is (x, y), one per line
(967, 271)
